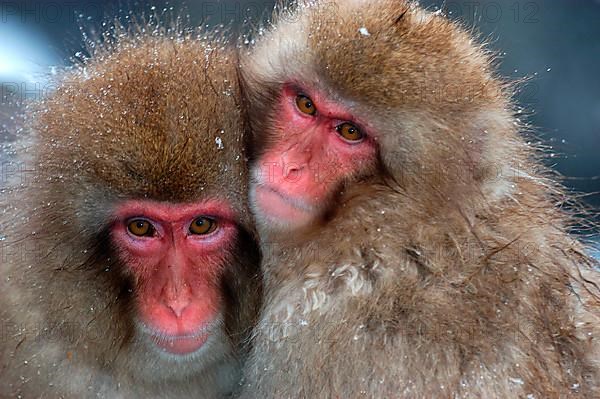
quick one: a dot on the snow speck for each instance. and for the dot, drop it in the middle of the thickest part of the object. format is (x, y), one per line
(219, 143)
(517, 381)
(363, 31)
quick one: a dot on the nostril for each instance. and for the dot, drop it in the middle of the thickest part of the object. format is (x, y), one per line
(293, 171)
(178, 306)
(177, 297)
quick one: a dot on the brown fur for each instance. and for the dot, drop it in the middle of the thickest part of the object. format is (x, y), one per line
(448, 272)
(138, 120)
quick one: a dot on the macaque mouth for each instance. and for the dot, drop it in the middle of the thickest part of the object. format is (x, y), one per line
(184, 344)
(276, 204)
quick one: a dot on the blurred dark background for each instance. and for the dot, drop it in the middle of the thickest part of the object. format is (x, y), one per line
(553, 43)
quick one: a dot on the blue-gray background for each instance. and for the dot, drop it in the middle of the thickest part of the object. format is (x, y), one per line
(555, 43)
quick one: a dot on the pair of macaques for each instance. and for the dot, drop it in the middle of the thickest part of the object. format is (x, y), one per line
(407, 242)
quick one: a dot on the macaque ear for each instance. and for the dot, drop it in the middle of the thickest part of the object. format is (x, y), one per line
(466, 154)
(502, 156)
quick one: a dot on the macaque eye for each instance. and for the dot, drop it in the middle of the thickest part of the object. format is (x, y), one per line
(349, 132)
(141, 228)
(202, 226)
(305, 105)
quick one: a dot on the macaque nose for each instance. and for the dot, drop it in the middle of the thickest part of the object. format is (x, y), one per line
(282, 171)
(296, 162)
(178, 306)
(293, 171)
(177, 297)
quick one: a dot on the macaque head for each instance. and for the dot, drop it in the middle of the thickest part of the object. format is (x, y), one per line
(339, 98)
(314, 145)
(145, 184)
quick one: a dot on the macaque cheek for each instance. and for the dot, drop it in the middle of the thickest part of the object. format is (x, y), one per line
(310, 176)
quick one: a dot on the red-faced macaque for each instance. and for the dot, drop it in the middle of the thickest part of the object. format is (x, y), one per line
(413, 246)
(129, 267)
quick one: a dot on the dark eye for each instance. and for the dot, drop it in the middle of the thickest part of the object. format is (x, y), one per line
(349, 132)
(305, 105)
(202, 226)
(140, 228)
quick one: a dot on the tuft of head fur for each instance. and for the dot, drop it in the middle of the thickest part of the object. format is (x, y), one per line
(166, 111)
(449, 270)
(150, 116)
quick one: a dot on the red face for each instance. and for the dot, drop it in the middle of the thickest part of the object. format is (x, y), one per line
(315, 144)
(175, 254)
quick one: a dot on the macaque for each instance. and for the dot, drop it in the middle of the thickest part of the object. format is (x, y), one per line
(130, 263)
(413, 245)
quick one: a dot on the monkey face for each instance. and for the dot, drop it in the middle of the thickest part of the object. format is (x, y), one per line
(175, 255)
(314, 146)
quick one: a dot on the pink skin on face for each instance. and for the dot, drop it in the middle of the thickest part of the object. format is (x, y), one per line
(308, 159)
(176, 272)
